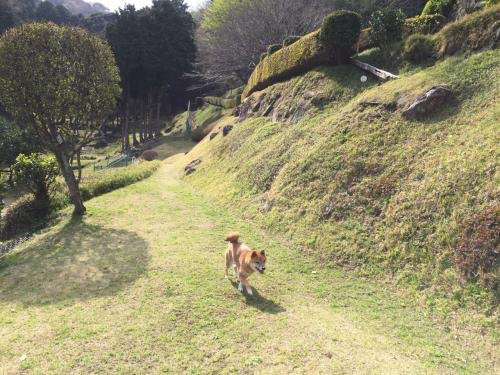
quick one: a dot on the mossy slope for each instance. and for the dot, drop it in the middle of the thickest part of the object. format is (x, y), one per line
(360, 186)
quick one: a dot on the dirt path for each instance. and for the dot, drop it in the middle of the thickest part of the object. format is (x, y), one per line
(137, 286)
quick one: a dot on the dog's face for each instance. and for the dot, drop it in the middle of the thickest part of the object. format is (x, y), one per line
(258, 261)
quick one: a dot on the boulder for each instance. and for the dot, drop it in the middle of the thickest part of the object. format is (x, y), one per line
(226, 129)
(427, 103)
(191, 167)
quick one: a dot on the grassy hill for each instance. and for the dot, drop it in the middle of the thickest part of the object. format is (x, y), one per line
(356, 184)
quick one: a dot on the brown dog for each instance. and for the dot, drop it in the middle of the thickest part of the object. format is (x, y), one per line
(244, 260)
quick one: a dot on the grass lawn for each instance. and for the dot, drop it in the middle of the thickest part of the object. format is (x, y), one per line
(137, 286)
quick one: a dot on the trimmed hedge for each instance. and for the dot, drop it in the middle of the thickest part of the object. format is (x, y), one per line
(273, 48)
(290, 40)
(234, 92)
(340, 32)
(443, 7)
(472, 33)
(419, 48)
(294, 59)
(222, 102)
(424, 24)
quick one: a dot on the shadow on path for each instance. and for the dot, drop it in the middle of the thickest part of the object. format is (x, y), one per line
(259, 302)
(79, 262)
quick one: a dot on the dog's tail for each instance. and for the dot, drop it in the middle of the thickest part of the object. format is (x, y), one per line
(233, 237)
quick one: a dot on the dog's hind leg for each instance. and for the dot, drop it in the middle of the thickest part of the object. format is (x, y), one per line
(228, 264)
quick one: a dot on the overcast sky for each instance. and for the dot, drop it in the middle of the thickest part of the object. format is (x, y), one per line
(115, 4)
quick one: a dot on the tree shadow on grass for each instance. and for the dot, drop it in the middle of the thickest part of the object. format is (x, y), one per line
(79, 262)
(259, 302)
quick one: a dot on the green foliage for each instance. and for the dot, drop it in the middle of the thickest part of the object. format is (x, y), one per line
(63, 84)
(290, 40)
(424, 24)
(219, 11)
(15, 140)
(443, 7)
(22, 216)
(340, 32)
(299, 57)
(387, 27)
(273, 48)
(223, 102)
(492, 2)
(419, 48)
(474, 32)
(36, 172)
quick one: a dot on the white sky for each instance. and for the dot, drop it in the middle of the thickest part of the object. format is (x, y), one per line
(115, 4)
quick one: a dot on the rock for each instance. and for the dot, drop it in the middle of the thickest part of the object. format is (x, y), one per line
(428, 102)
(226, 129)
(191, 167)
(236, 112)
(213, 135)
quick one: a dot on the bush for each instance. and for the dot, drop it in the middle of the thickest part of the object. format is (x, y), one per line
(273, 48)
(22, 216)
(478, 252)
(340, 32)
(223, 102)
(443, 7)
(37, 172)
(305, 54)
(149, 155)
(103, 182)
(419, 48)
(290, 40)
(387, 27)
(424, 24)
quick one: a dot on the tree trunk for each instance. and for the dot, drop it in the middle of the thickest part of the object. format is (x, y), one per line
(126, 140)
(158, 112)
(79, 163)
(71, 182)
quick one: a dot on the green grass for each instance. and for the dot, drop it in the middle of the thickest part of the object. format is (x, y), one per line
(364, 188)
(137, 286)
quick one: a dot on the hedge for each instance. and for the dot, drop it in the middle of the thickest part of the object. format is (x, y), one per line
(222, 102)
(340, 32)
(424, 24)
(294, 59)
(443, 7)
(273, 48)
(290, 40)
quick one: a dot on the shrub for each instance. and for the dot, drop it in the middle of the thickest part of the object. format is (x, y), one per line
(103, 182)
(290, 40)
(419, 48)
(37, 172)
(340, 32)
(478, 252)
(22, 216)
(273, 48)
(424, 24)
(149, 155)
(443, 7)
(387, 27)
(223, 102)
(305, 54)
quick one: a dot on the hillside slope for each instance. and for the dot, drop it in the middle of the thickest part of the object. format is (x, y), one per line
(356, 184)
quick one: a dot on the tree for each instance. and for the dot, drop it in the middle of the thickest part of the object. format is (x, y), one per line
(6, 17)
(61, 83)
(154, 48)
(387, 27)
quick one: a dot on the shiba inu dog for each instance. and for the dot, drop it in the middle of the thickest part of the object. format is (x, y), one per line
(244, 260)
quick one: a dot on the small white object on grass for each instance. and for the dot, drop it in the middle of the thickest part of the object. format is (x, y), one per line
(364, 79)
(23, 357)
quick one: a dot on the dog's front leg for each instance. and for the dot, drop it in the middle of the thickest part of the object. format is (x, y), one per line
(244, 282)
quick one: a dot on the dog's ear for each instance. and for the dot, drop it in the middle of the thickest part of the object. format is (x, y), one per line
(262, 253)
(254, 254)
